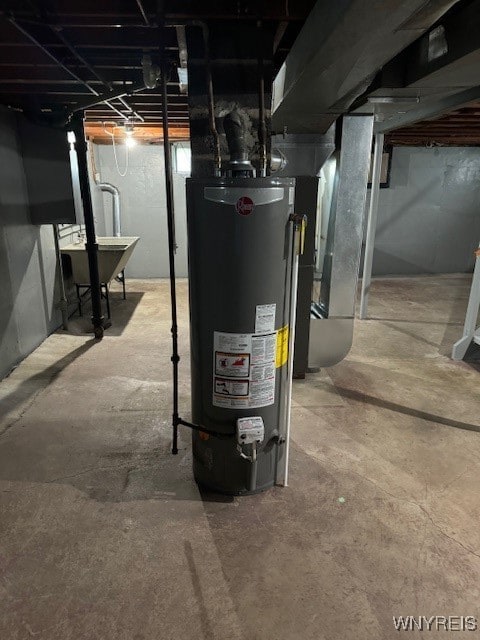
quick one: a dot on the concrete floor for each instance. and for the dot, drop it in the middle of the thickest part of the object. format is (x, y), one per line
(104, 535)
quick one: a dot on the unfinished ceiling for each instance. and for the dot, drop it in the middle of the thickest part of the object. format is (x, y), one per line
(460, 127)
(61, 56)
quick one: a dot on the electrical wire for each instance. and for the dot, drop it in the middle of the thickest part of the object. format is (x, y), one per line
(112, 135)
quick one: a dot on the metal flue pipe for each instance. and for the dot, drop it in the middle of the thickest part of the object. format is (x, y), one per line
(110, 188)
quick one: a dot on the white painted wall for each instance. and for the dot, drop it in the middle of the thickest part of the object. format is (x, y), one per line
(428, 220)
(144, 209)
(429, 217)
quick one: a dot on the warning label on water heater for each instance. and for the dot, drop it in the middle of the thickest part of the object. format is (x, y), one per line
(244, 370)
(232, 364)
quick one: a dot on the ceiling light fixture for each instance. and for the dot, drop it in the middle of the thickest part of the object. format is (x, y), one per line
(129, 128)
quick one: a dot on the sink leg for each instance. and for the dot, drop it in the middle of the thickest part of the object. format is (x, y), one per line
(79, 298)
(107, 299)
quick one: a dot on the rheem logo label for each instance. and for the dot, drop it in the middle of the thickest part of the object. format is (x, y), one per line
(244, 206)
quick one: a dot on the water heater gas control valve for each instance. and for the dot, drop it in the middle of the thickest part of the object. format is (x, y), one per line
(250, 430)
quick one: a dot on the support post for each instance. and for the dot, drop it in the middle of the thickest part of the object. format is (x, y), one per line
(91, 239)
(371, 225)
(470, 330)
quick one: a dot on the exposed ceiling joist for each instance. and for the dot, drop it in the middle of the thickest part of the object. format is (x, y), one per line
(457, 128)
(66, 55)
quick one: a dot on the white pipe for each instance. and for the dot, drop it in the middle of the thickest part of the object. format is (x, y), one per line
(110, 188)
(291, 347)
(372, 225)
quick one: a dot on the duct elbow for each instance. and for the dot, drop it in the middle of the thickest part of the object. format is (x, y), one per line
(114, 191)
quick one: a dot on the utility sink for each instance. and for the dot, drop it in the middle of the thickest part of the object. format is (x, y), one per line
(113, 255)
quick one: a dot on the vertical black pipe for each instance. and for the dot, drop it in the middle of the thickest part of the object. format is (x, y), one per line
(217, 155)
(91, 243)
(262, 129)
(171, 253)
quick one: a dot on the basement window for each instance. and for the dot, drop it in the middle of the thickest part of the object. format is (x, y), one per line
(182, 155)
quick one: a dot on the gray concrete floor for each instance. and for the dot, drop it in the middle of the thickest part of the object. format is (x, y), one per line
(104, 535)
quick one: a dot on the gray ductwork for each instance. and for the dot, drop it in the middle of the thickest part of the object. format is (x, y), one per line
(302, 154)
(110, 188)
(336, 55)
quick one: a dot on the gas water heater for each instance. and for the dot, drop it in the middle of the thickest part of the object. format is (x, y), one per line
(243, 244)
(241, 234)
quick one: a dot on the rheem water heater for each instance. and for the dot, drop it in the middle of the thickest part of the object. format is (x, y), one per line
(240, 235)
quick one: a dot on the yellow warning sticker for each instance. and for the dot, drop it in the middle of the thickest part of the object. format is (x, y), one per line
(282, 347)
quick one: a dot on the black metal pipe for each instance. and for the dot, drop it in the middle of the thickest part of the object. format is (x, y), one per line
(59, 33)
(170, 20)
(262, 129)
(171, 253)
(142, 11)
(91, 239)
(210, 95)
(120, 93)
(131, 109)
(122, 115)
(71, 73)
(32, 38)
